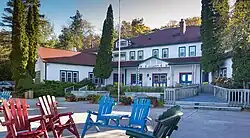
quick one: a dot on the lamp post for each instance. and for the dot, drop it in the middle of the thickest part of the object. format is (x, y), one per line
(119, 53)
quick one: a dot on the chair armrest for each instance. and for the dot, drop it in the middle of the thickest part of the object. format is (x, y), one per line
(37, 118)
(92, 112)
(6, 123)
(149, 118)
(65, 114)
(138, 134)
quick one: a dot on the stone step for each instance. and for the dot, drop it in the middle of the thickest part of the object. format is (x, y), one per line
(226, 108)
(217, 104)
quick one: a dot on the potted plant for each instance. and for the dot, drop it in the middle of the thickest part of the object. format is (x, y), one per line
(154, 101)
(69, 97)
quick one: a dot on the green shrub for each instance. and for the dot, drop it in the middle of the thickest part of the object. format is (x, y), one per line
(93, 98)
(56, 88)
(126, 100)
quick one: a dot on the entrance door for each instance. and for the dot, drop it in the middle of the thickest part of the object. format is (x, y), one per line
(159, 80)
(186, 78)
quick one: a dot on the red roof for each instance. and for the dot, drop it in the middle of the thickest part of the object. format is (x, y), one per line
(50, 55)
(46, 53)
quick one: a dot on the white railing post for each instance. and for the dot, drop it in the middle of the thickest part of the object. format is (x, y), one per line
(174, 95)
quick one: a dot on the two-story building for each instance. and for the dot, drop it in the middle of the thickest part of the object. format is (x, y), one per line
(162, 58)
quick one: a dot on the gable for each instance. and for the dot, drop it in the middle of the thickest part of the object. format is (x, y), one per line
(153, 63)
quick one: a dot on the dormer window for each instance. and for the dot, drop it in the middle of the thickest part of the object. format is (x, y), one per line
(124, 43)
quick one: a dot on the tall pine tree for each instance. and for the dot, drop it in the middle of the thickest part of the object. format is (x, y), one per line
(211, 51)
(103, 67)
(32, 30)
(239, 34)
(19, 54)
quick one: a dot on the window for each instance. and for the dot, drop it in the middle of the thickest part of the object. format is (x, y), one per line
(69, 76)
(115, 78)
(155, 53)
(134, 79)
(132, 55)
(192, 51)
(140, 55)
(95, 80)
(124, 43)
(165, 53)
(159, 80)
(63, 76)
(75, 77)
(116, 56)
(186, 78)
(182, 51)
(223, 72)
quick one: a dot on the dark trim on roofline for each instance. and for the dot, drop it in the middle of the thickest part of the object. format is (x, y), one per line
(70, 64)
(129, 47)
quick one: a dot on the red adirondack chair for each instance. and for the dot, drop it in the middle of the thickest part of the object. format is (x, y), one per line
(48, 107)
(17, 121)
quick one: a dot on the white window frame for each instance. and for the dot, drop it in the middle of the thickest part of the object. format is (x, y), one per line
(190, 52)
(130, 55)
(140, 55)
(163, 51)
(61, 76)
(71, 76)
(153, 53)
(75, 79)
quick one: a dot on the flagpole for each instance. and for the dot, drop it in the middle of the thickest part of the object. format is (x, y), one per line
(119, 53)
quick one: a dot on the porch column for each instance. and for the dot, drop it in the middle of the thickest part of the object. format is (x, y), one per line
(170, 76)
(137, 76)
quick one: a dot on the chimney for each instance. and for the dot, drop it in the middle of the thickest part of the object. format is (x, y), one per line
(74, 49)
(182, 26)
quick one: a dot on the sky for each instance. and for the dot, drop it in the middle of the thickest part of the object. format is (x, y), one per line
(155, 13)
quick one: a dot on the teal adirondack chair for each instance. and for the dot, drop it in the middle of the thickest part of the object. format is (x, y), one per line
(5, 95)
(137, 119)
(166, 124)
(106, 104)
(139, 114)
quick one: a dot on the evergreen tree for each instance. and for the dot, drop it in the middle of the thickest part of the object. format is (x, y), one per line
(239, 34)
(211, 50)
(103, 67)
(32, 29)
(19, 54)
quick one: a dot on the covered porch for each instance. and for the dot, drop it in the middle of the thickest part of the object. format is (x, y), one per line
(155, 72)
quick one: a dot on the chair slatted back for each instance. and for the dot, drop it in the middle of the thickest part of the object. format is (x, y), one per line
(106, 104)
(16, 111)
(140, 111)
(5, 95)
(167, 122)
(48, 105)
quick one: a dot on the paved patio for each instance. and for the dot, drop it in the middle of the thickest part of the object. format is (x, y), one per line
(194, 123)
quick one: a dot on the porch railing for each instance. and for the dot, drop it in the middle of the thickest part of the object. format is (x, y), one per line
(173, 94)
(235, 97)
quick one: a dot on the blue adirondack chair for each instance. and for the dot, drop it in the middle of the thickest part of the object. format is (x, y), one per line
(5, 95)
(137, 119)
(106, 104)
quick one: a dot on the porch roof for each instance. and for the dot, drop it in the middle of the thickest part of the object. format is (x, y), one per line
(171, 61)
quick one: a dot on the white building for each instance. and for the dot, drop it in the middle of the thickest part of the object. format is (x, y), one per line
(163, 58)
